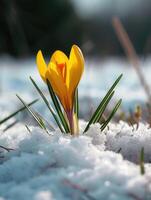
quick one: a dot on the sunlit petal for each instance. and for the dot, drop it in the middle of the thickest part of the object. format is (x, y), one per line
(41, 64)
(57, 82)
(74, 69)
(59, 57)
(61, 60)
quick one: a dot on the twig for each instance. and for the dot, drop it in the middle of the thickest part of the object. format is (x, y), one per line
(5, 148)
(78, 187)
(131, 53)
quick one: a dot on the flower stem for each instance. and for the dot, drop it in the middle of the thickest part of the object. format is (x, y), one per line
(71, 121)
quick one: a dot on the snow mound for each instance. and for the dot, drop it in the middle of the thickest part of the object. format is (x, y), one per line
(62, 167)
(129, 140)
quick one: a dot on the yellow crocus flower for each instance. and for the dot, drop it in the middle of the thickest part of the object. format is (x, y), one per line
(63, 74)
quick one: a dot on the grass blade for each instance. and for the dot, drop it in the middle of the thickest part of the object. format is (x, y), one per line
(16, 112)
(76, 104)
(43, 119)
(94, 117)
(37, 119)
(102, 109)
(76, 111)
(142, 168)
(10, 125)
(47, 104)
(28, 129)
(99, 111)
(58, 108)
(111, 115)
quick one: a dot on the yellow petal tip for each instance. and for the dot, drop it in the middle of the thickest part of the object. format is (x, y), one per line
(78, 52)
(42, 67)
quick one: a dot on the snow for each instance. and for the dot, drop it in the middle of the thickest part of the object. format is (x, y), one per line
(43, 167)
(95, 165)
(130, 140)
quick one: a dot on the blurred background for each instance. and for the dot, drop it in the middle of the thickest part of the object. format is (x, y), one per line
(29, 25)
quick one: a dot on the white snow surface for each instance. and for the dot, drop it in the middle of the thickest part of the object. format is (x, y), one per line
(93, 166)
(62, 167)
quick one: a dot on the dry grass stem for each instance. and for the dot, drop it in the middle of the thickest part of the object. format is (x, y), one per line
(131, 53)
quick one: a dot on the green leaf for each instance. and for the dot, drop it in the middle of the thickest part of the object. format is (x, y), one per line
(76, 104)
(16, 112)
(58, 108)
(111, 115)
(44, 120)
(47, 104)
(76, 111)
(37, 118)
(102, 109)
(10, 125)
(98, 112)
(142, 168)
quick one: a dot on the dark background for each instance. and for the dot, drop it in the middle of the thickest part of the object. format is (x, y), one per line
(29, 25)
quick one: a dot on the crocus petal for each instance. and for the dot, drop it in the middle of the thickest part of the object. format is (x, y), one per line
(58, 85)
(61, 60)
(63, 74)
(59, 57)
(41, 64)
(74, 69)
